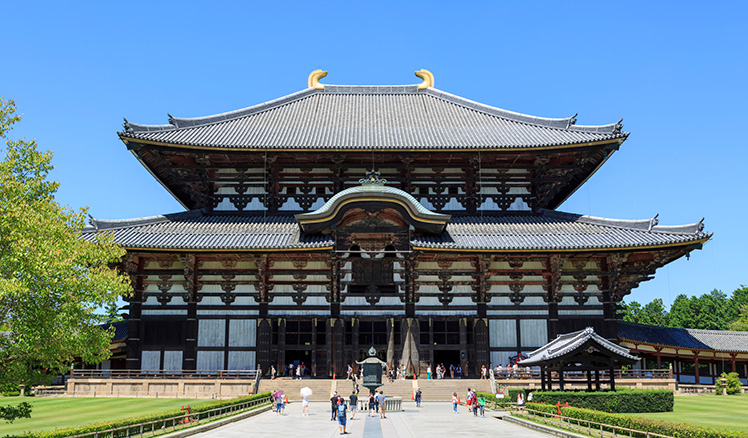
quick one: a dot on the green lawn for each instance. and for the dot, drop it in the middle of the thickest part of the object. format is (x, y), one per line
(719, 412)
(59, 412)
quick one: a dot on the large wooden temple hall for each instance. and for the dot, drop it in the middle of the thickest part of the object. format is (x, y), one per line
(406, 218)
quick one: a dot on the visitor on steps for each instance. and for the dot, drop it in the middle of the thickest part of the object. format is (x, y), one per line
(428, 372)
(272, 372)
(350, 372)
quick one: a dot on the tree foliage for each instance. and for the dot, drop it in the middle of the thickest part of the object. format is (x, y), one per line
(710, 311)
(51, 281)
(731, 382)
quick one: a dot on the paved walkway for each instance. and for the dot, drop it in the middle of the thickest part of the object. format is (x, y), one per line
(432, 420)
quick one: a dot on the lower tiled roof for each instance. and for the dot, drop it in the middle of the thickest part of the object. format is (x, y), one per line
(569, 342)
(717, 340)
(548, 230)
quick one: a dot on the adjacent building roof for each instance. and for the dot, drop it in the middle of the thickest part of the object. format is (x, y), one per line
(717, 340)
(120, 330)
(570, 343)
(371, 117)
(413, 211)
(547, 231)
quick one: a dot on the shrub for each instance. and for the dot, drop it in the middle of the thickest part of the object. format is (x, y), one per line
(621, 401)
(676, 430)
(165, 416)
(733, 384)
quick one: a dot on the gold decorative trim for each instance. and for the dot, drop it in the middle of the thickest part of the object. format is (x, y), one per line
(314, 78)
(620, 248)
(275, 149)
(428, 79)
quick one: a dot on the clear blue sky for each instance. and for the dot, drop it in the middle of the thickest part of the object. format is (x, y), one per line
(675, 71)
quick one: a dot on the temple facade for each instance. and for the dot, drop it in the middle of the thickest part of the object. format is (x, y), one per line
(338, 218)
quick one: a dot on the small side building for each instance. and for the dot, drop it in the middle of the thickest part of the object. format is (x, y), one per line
(695, 356)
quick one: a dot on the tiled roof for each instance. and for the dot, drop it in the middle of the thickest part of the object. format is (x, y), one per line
(120, 330)
(548, 230)
(718, 340)
(195, 230)
(372, 117)
(553, 230)
(567, 343)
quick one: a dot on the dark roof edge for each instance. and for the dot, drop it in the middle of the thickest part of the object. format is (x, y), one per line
(111, 224)
(634, 224)
(687, 330)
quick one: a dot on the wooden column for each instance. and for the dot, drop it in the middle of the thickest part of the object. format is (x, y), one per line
(732, 362)
(281, 357)
(597, 380)
(589, 380)
(134, 322)
(463, 347)
(612, 379)
(264, 339)
(542, 379)
(659, 359)
(561, 376)
(696, 366)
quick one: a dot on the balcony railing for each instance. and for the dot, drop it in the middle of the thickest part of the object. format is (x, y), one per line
(165, 374)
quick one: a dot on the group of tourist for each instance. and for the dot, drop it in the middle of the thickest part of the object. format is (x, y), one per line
(512, 372)
(441, 371)
(292, 370)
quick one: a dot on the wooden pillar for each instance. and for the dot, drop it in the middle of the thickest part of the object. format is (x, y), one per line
(561, 376)
(264, 347)
(696, 367)
(542, 379)
(659, 359)
(354, 344)
(134, 323)
(732, 362)
(612, 379)
(597, 380)
(589, 381)
(281, 358)
(463, 348)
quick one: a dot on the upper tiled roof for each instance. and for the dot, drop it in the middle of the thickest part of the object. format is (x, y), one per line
(569, 342)
(546, 231)
(371, 117)
(719, 340)
(552, 230)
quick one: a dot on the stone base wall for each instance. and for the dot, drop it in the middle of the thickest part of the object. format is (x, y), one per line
(166, 388)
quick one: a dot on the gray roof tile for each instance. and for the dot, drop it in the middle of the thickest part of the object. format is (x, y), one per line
(719, 340)
(548, 230)
(372, 117)
(567, 343)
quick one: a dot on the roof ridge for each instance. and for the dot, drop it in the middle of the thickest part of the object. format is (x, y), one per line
(111, 224)
(188, 122)
(648, 225)
(564, 123)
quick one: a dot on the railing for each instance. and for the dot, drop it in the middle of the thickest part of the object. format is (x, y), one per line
(581, 375)
(171, 424)
(165, 374)
(591, 428)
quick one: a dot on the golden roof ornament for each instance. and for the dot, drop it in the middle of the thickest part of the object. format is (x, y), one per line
(314, 78)
(428, 79)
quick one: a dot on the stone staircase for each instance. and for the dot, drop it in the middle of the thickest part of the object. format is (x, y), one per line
(398, 388)
(321, 388)
(442, 390)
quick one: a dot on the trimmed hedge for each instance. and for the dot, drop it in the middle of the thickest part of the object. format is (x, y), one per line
(676, 430)
(167, 415)
(621, 401)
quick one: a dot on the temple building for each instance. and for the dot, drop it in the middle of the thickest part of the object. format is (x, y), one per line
(406, 218)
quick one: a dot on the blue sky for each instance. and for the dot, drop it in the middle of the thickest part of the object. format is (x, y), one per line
(675, 71)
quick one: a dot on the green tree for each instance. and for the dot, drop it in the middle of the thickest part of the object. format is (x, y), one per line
(741, 323)
(51, 281)
(630, 311)
(111, 314)
(654, 313)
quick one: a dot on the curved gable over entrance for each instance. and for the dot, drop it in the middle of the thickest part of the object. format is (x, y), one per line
(372, 196)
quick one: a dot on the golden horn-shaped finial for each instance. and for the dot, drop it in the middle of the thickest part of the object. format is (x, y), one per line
(314, 78)
(428, 79)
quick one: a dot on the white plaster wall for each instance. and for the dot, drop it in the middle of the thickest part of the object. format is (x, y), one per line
(502, 333)
(533, 333)
(209, 360)
(242, 332)
(211, 333)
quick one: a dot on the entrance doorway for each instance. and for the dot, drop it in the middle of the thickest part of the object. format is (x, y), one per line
(297, 357)
(447, 357)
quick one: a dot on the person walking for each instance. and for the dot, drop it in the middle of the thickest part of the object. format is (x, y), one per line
(483, 372)
(455, 402)
(372, 404)
(334, 405)
(452, 370)
(298, 373)
(418, 398)
(520, 402)
(290, 370)
(305, 404)
(458, 372)
(529, 397)
(482, 405)
(342, 410)
(428, 373)
(353, 404)
(278, 396)
(350, 371)
(272, 372)
(380, 401)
